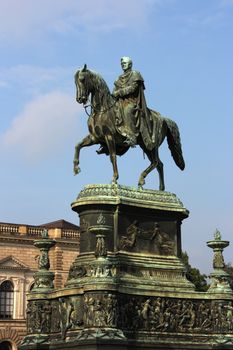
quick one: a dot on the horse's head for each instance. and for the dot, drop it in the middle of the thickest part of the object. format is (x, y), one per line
(91, 83)
(82, 85)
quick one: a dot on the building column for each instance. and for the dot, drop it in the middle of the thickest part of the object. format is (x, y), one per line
(58, 267)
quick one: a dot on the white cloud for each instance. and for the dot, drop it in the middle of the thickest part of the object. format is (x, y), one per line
(43, 127)
(217, 14)
(35, 79)
(26, 19)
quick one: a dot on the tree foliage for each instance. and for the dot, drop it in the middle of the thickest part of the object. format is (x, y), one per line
(194, 275)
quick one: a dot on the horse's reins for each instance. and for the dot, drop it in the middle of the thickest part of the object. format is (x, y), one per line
(94, 109)
(86, 106)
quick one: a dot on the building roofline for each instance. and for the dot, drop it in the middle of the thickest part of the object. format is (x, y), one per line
(63, 224)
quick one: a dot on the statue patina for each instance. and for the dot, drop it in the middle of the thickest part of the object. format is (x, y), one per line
(122, 120)
(133, 115)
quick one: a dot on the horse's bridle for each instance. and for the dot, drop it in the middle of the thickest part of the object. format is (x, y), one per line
(94, 109)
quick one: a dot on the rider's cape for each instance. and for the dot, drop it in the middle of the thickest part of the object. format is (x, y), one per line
(131, 85)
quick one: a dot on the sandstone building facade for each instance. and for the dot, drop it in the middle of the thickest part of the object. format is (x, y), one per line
(19, 262)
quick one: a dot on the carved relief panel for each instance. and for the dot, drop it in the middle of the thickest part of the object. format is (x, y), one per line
(175, 315)
(100, 310)
(150, 237)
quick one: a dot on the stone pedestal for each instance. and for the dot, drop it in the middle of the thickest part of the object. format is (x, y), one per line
(137, 235)
(127, 288)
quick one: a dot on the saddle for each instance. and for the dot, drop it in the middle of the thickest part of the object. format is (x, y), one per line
(148, 125)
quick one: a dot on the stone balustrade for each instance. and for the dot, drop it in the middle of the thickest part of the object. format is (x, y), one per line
(36, 231)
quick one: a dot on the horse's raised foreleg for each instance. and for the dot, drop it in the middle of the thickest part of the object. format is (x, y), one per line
(87, 141)
(112, 153)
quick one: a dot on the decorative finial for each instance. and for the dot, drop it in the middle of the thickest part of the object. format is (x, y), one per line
(43, 277)
(219, 278)
(217, 235)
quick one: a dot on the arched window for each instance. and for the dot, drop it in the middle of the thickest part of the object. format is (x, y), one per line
(5, 345)
(6, 299)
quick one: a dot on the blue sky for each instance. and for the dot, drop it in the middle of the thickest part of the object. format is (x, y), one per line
(183, 49)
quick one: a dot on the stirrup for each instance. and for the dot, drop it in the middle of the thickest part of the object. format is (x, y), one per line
(131, 141)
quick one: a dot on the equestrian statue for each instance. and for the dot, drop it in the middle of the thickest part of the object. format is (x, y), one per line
(122, 120)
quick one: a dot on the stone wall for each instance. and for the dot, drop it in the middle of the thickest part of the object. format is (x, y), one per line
(19, 262)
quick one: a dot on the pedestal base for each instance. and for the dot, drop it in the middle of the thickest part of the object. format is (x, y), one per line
(127, 288)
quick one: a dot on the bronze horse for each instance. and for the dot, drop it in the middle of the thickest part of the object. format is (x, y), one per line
(103, 130)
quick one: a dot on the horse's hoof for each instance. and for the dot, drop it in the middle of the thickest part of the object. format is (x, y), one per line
(114, 181)
(141, 182)
(76, 170)
(140, 187)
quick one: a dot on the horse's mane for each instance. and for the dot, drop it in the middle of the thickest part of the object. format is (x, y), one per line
(96, 79)
(99, 81)
(104, 96)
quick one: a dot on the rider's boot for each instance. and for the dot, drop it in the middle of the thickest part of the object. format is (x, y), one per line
(102, 150)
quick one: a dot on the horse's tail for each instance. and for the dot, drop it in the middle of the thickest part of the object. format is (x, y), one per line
(174, 143)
